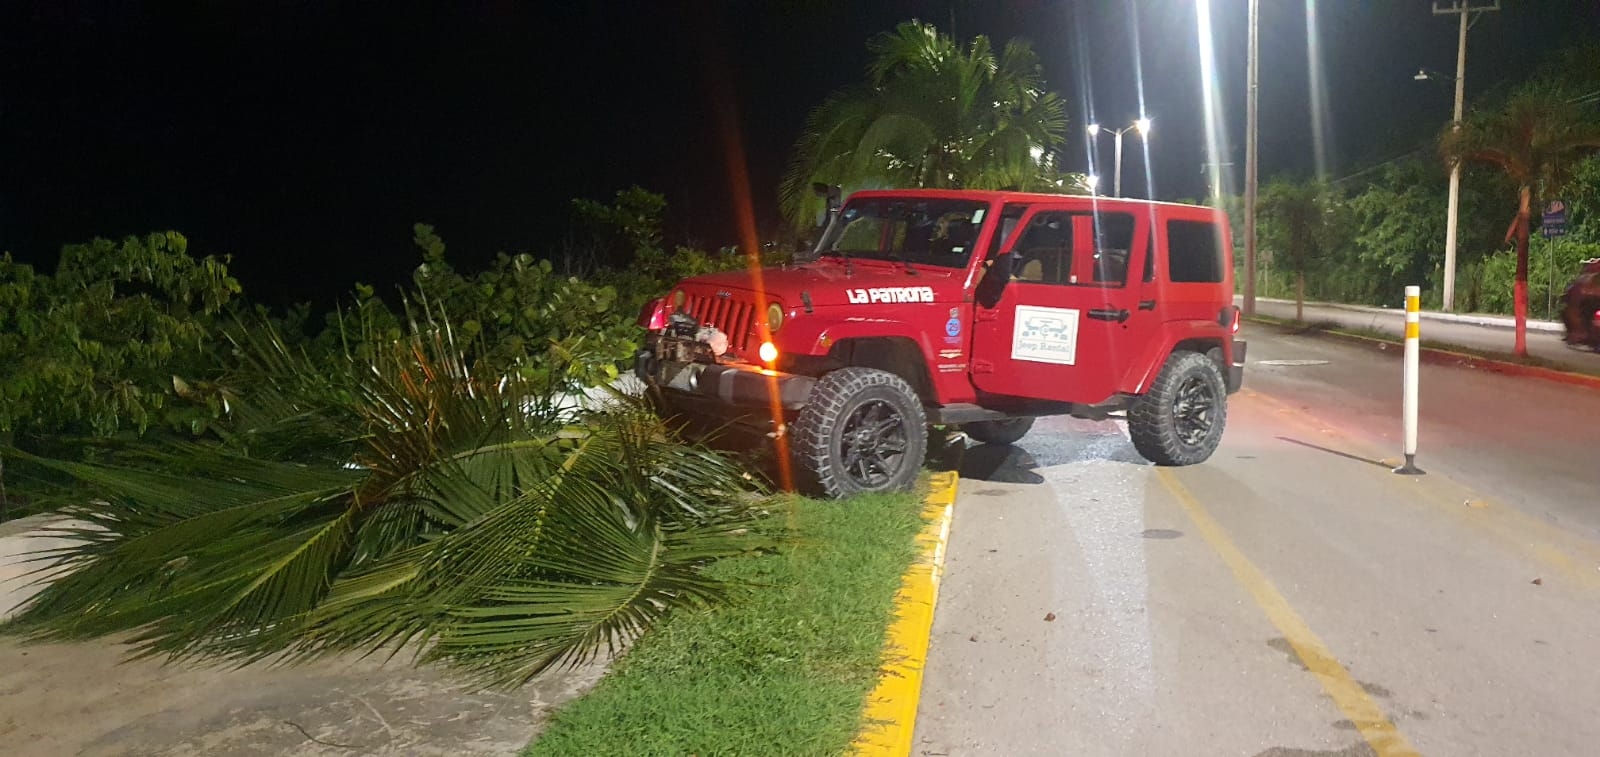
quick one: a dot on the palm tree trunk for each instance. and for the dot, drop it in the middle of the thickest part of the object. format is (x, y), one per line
(1299, 296)
(1520, 292)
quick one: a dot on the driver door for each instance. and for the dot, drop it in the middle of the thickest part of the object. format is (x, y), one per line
(1068, 324)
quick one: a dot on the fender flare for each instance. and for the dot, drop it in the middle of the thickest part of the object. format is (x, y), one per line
(1172, 333)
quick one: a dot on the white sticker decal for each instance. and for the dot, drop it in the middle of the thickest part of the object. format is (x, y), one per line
(890, 294)
(1045, 335)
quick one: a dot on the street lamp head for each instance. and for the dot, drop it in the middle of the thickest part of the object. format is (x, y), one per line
(1422, 75)
(1143, 125)
(1094, 129)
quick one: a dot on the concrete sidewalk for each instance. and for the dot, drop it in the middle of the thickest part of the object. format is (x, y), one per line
(88, 699)
(1474, 319)
(1468, 333)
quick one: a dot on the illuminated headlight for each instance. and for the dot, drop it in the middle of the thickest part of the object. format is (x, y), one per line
(768, 352)
(678, 298)
(774, 317)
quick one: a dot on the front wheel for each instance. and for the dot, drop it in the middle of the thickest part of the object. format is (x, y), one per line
(1180, 421)
(862, 430)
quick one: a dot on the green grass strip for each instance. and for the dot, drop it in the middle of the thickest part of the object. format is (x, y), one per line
(783, 670)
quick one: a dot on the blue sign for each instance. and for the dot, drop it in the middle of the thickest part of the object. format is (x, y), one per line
(1555, 219)
(952, 327)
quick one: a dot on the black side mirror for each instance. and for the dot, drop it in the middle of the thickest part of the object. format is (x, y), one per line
(994, 281)
(834, 194)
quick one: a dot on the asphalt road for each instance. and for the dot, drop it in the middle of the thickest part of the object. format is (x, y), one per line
(1543, 343)
(1291, 596)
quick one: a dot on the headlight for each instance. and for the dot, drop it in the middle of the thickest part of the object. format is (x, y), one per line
(768, 352)
(774, 317)
(678, 298)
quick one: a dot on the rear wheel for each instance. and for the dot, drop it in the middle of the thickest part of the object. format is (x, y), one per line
(1180, 421)
(1008, 431)
(863, 430)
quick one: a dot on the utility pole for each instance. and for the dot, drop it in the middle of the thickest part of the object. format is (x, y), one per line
(1464, 9)
(1250, 167)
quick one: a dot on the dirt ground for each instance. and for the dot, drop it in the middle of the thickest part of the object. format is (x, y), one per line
(86, 699)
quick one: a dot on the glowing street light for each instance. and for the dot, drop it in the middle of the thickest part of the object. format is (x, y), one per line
(1142, 125)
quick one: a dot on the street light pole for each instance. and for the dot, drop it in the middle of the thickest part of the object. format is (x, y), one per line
(1116, 188)
(1142, 125)
(1462, 7)
(1250, 167)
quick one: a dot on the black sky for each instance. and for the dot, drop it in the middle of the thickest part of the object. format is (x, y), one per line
(306, 137)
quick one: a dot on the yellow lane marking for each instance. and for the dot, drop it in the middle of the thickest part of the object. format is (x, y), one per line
(1380, 733)
(1525, 534)
(890, 715)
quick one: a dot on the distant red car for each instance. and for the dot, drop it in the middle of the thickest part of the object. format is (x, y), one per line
(1581, 306)
(971, 308)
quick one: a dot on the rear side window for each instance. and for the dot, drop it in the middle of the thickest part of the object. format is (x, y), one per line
(1193, 253)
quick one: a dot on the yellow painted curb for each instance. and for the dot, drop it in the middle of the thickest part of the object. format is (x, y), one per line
(891, 708)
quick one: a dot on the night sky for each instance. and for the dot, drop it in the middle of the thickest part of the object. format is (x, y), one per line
(305, 138)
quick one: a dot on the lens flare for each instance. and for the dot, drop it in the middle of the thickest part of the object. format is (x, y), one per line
(726, 111)
(1211, 90)
(1318, 92)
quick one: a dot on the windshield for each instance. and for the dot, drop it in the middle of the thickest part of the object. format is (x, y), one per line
(913, 230)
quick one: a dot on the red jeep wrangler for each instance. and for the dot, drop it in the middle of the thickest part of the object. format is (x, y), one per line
(980, 309)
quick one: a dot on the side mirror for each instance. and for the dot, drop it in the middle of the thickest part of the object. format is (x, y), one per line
(833, 194)
(993, 284)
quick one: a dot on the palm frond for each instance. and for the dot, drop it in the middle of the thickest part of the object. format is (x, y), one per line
(439, 510)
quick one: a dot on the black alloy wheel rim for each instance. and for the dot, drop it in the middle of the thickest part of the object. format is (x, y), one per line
(873, 444)
(1193, 410)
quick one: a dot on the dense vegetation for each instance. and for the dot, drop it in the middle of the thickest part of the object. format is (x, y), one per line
(1383, 227)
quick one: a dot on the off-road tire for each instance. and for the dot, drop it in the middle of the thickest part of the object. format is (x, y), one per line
(853, 416)
(1008, 431)
(1164, 422)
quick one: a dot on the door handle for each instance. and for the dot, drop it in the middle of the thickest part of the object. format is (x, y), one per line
(1108, 314)
(1147, 304)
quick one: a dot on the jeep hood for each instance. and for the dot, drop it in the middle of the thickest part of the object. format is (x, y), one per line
(830, 282)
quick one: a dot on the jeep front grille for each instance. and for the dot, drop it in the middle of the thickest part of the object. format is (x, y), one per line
(731, 316)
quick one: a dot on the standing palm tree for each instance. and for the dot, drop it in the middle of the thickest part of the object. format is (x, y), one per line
(931, 115)
(1534, 139)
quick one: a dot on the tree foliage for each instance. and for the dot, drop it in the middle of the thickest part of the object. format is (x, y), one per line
(106, 343)
(932, 113)
(1535, 139)
(409, 500)
(1300, 222)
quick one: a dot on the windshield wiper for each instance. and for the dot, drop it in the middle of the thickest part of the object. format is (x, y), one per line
(906, 260)
(849, 270)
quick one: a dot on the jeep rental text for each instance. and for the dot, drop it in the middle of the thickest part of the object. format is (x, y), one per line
(979, 309)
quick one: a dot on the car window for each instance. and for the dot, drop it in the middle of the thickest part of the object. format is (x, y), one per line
(1194, 254)
(1075, 248)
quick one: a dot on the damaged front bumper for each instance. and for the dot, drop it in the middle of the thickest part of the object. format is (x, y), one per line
(739, 385)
